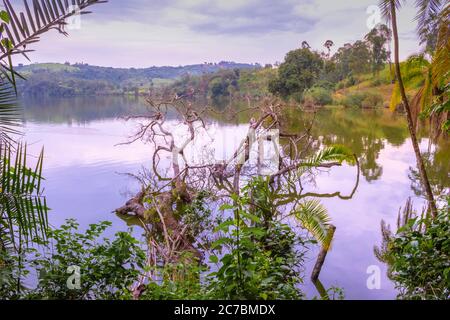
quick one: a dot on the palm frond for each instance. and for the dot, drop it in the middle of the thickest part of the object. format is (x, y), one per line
(386, 7)
(441, 58)
(415, 72)
(10, 113)
(337, 153)
(315, 219)
(427, 13)
(24, 28)
(23, 210)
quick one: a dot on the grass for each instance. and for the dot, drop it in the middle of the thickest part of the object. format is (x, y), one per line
(53, 67)
(378, 84)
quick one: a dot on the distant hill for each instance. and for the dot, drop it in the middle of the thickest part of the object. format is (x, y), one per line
(55, 79)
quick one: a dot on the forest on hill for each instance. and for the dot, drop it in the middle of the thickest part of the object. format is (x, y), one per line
(80, 79)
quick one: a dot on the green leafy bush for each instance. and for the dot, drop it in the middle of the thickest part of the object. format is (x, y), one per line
(351, 81)
(418, 256)
(107, 268)
(298, 72)
(363, 100)
(317, 96)
(261, 257)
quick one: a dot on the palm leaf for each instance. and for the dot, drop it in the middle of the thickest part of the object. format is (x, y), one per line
(23, 209)
(386, 7)
(337, 153)
(441, 57)
(10, 114)
(427, 12)
(314, 218)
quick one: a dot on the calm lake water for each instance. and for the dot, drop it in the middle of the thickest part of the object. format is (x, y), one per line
(86, 174)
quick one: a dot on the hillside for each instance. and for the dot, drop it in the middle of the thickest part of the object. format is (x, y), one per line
(54, 79)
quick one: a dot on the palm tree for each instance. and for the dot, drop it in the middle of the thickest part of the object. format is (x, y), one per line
(433, 96)
(389, 9)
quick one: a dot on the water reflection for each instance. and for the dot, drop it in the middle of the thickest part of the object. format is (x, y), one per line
(80, 110)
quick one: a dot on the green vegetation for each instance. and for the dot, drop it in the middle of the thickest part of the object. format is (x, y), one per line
(108, 268)
(418, 255)
(254, 256)
(317, 96)
(63, 80)
(233, 83)
(297, 73)
(363, 100)
(310, 77)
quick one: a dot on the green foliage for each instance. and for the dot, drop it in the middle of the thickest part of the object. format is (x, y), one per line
(108, 268)
(57, 80)
(363, 100)
(186, 285)
(441, 107)
(352, 59)
(314, 218)
(260, 259)
(255, 83)
(419, 257)
(196, 215)
(10, 115)
(23, 211)
(317, 96)
(415, 74)
(255, 256)
(223, 84)
(336, 153)
(297, 73)
(377, 39)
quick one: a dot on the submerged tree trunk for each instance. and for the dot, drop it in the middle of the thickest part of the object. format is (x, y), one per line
(322, 255)
(411, 126)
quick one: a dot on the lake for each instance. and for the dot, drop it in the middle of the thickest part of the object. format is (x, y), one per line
(87, 174)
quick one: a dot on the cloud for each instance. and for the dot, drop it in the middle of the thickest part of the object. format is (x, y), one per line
(216, 17)
(251, 17)
(141, 33)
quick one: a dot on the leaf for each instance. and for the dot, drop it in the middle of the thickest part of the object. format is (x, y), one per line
(314, 218)
(226, 207)
(213, 259)
(4, 16)
(224, 226)
(20, 198)
(337, 153)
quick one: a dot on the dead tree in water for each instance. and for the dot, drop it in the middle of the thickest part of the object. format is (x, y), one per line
(177, 182)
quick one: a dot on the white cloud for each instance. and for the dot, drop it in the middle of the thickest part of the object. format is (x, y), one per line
(178, 32)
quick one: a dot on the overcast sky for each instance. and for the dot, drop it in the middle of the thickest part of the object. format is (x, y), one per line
(142, 33)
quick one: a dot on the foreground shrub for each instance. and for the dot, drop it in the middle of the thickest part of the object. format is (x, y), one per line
(418, 256)
(107, 268)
